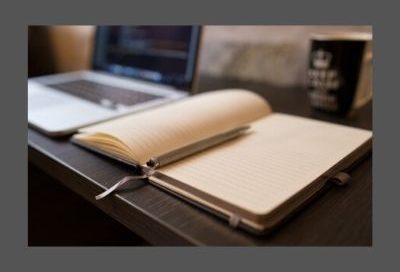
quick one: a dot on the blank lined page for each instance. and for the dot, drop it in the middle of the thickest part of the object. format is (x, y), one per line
(281, 155)
(160, 130)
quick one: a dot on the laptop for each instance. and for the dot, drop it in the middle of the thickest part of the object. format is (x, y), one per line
(133, 68)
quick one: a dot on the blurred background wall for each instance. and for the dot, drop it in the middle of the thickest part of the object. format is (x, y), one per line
(273, 54)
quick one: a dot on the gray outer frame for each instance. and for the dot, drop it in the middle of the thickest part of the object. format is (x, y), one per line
(384, 254)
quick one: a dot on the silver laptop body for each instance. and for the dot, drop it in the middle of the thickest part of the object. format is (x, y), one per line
(134, 68)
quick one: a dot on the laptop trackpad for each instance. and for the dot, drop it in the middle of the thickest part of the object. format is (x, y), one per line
(40, 100)
(58, 113)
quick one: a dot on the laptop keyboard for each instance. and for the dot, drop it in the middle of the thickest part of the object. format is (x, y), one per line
(102, 94)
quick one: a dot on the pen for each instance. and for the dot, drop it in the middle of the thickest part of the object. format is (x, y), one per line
(196, 147)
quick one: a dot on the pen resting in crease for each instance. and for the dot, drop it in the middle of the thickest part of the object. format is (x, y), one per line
(148, 134)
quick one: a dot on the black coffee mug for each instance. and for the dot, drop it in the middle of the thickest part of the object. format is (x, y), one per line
(340, 71)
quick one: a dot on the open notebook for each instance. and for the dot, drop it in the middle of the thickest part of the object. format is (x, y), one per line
(255, 179)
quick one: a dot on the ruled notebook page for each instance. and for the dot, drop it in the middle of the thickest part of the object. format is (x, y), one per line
(157, 131)
(281, 155)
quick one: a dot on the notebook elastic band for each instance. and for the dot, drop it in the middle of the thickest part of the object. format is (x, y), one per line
(341, 178)
(234, 220)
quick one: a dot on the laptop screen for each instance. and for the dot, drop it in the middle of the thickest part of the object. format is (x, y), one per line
(161, 54)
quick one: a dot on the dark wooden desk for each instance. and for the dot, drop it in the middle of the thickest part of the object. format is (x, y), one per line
(341, 216)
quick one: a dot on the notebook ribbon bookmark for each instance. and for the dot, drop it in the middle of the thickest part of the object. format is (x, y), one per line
(147, 172)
